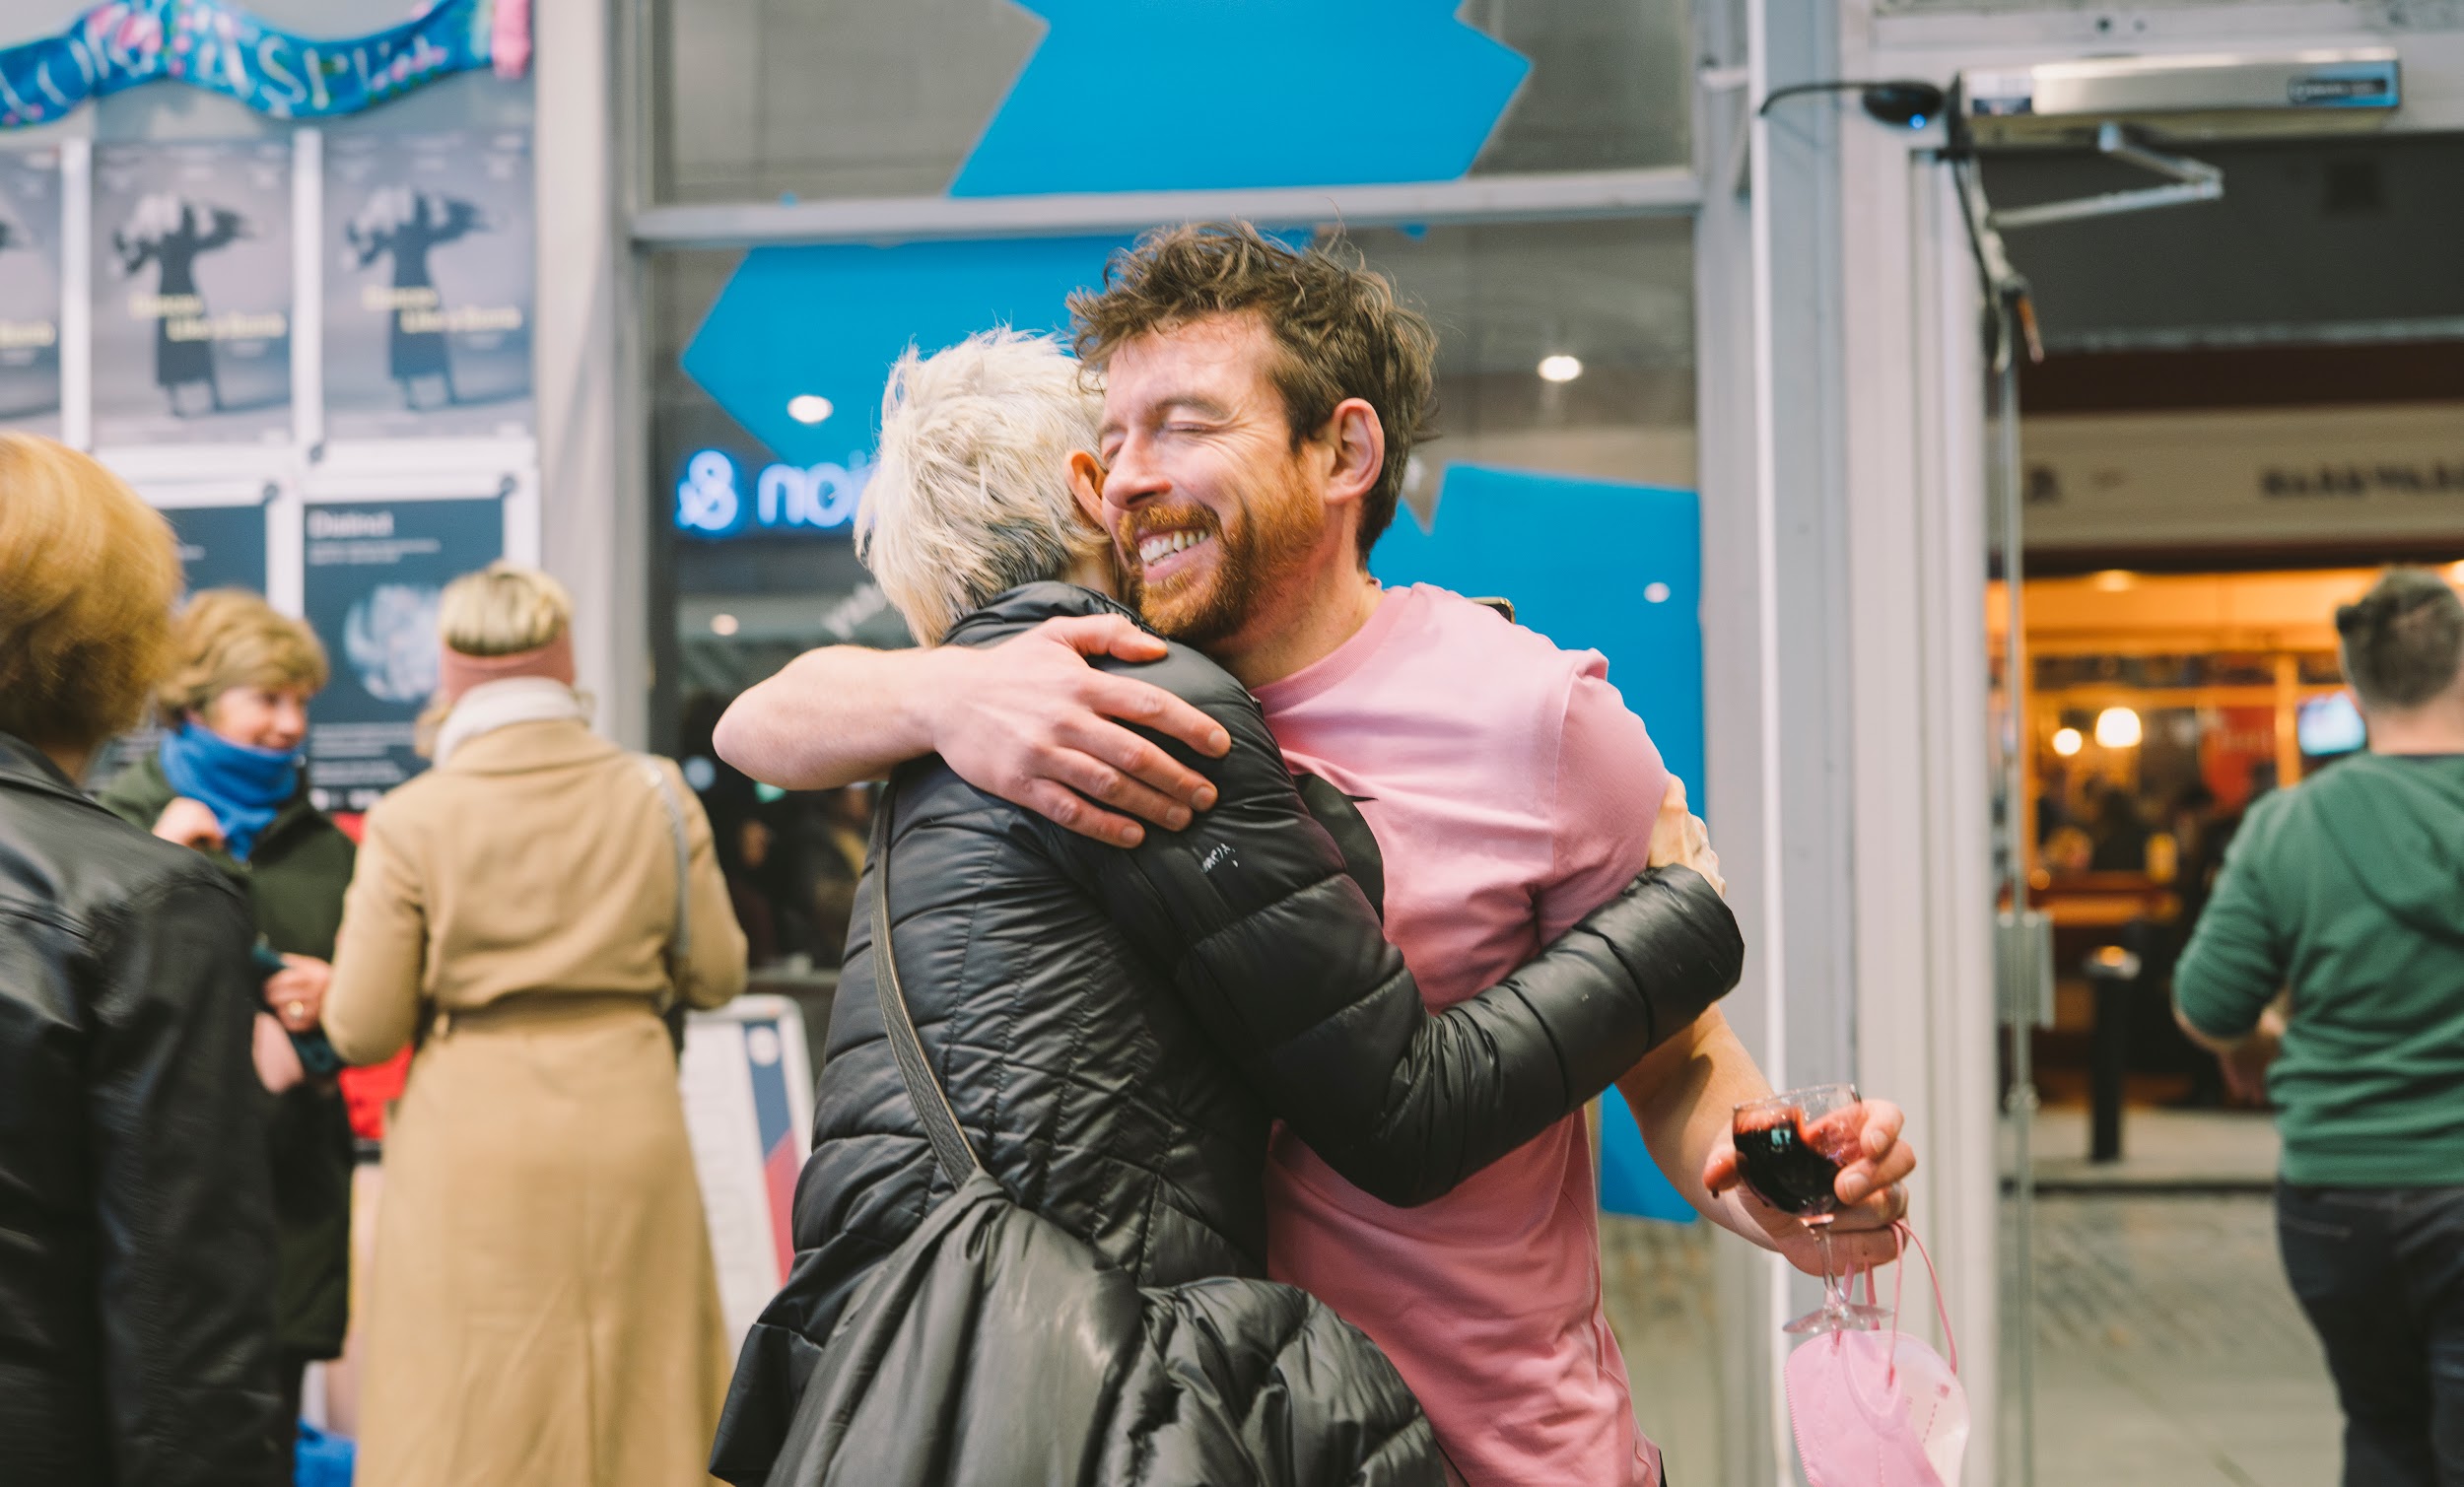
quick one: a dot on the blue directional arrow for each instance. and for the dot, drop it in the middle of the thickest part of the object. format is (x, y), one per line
(828, 322)
(1196, 95)
(1630, 588)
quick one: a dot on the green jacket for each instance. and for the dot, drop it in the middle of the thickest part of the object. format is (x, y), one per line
(2348, 890)
(295, 879)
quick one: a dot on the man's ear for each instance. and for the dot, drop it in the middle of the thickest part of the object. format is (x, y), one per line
(1356, 440)
(1086, 481)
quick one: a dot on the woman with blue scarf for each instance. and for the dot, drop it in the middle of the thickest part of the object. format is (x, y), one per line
(228, 781)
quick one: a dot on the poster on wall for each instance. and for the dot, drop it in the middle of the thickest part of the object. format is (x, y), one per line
(373, 572)
(428, 242)
(193, 293)
(219, 546)
(29, 291)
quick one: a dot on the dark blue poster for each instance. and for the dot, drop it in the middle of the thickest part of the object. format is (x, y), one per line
(373, 572)
(221, 546)
(29, 291)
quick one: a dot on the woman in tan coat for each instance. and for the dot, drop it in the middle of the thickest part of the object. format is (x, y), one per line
(542, 1308)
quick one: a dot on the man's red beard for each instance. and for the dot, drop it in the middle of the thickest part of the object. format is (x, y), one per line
(1274, 531)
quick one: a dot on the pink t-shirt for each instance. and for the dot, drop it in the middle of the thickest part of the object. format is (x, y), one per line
(1511, 793)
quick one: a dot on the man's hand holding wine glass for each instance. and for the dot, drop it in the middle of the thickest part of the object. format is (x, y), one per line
(1868, 1188)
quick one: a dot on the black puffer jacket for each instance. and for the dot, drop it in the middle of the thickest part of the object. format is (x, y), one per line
(1118, 1031)
(136, 1211)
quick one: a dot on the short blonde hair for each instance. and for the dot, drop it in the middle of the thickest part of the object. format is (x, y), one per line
(227, 638)
(501, 609)
(971, 495)
(88, 574)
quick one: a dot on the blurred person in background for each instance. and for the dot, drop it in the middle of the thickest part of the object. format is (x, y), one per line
(2348, 891)
(137, 1238)
(226, 782)
(541, 1306)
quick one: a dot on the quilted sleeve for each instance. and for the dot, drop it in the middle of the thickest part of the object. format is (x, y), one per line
(1282, 957)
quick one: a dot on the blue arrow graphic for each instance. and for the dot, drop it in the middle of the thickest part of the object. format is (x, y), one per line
(1199, 95)
(828, 322)
(1630, 588)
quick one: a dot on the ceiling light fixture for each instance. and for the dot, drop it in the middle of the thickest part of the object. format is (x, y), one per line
(2118, 728)
(2067, 742)
(1560, 368)
(808, 408)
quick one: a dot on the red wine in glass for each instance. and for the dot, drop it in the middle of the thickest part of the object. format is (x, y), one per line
(1790, 1149)
(1784, 1165)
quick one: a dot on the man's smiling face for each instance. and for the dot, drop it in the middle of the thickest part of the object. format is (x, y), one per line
(1210, 505)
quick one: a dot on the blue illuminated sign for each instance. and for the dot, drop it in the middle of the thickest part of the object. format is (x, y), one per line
(712, 502)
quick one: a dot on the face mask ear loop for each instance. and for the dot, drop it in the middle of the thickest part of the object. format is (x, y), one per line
(1907, 1235)
(1899, 1233)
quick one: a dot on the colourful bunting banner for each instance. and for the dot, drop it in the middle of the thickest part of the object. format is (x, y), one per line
(207, 43)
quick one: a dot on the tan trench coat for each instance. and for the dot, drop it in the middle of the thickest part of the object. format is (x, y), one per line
(542, 1309)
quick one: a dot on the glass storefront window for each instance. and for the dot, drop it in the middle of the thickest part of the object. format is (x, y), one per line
(756, 99)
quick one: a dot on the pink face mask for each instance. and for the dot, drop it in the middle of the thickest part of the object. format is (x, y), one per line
(1872, 1410)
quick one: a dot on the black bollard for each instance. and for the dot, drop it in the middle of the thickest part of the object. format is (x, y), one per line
(2113, 973)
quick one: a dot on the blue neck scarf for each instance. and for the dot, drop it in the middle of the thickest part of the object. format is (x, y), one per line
(244, 787)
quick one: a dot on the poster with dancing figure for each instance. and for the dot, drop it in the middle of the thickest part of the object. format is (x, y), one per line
(375, 571)
(193, 293)
(428, 285)
(29, 291)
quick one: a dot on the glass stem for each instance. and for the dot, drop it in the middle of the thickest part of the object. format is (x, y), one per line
(1834, 1301)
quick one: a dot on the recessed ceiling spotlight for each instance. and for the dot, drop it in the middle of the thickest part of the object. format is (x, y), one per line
(1560, 368)
(722, 624)
(808, 408)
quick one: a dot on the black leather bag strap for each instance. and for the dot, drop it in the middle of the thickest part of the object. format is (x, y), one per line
(951, 1148)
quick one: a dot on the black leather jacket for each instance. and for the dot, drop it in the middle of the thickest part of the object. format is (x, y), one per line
(1118, 1030)
(136, 1215)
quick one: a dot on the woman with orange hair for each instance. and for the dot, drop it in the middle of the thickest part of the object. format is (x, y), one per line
(137, 1283)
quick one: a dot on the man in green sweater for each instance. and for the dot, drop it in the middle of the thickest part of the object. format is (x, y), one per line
(2347, 891)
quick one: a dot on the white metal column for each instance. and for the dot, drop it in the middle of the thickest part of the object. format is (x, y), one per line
(595, 528)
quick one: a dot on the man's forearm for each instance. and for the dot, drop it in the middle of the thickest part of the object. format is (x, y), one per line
(1683, 1096)
(831, 718)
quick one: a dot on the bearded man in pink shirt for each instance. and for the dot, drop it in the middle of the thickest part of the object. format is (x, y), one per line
(1259, 402)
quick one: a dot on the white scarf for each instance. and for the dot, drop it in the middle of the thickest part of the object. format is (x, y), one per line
(491, 706)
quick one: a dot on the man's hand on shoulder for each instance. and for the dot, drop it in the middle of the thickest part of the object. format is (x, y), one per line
(1678, 837)
(1031, 721)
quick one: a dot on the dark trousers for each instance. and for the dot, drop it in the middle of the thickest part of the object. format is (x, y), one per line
(2380, 1271)
(293, 1364)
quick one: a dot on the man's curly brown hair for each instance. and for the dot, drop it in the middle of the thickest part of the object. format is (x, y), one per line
(1336, 322)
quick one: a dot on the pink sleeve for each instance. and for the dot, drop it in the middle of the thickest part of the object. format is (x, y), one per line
(1610, 784)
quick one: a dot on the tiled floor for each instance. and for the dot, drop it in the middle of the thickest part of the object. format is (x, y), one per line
(2170, 1353)
(2170, 1350)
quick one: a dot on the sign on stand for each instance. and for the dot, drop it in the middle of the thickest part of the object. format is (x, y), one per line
(748, 1107)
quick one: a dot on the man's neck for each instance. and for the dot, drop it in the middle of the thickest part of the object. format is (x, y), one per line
(2434, 727)
(1305, 621)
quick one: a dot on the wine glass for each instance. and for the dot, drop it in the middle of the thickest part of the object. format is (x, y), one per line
(1790, 1149)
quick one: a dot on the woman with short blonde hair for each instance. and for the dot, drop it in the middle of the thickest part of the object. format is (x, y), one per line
(966, 500)
(230, 637)
(228, 779)
(137, 1285)
(542, 1307)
